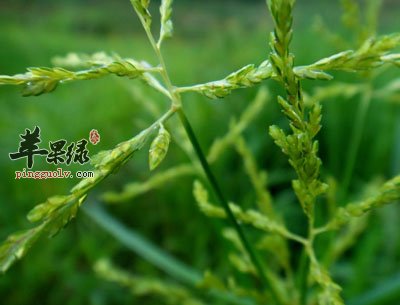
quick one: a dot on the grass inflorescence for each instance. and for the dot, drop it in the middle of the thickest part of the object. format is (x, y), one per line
(282, 279)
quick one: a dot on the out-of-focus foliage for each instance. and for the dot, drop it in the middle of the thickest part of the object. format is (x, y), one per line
(230, 36)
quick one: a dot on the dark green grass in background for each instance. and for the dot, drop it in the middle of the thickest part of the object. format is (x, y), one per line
(211, 40)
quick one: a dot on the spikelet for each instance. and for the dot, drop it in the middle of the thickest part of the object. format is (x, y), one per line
(159, 147)
(166, 22)
(142, 10)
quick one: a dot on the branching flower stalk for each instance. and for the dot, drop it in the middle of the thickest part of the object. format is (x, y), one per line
(300, 146)
(176, 105)
(57, 211)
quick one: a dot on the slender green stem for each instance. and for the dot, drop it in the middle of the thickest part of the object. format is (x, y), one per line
(221, 198)
(356, 139)
(304, 266)
(295, 237)
(321, 230)
(175, 97)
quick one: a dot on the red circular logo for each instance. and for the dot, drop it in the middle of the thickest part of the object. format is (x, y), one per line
(94, 136)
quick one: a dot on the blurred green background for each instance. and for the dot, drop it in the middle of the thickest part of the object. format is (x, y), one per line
(212, 39)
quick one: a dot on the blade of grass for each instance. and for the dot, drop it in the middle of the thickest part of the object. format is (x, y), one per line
(152, 253)
(386, 293)
(135, 242)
